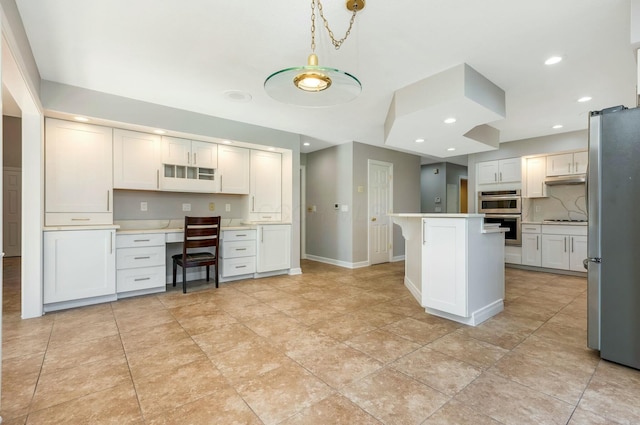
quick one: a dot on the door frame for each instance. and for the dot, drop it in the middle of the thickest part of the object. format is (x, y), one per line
(303, 212)
(389, 165)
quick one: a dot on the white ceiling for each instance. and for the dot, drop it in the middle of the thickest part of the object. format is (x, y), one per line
(187, 54)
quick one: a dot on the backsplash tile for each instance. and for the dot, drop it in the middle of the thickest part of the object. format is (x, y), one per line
(563, 202)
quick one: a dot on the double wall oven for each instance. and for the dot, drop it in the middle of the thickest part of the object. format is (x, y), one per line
(505, 208)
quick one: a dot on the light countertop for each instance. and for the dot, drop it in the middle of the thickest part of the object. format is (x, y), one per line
(177, 225)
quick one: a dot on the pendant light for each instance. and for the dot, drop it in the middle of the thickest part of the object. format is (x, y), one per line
(314, 85)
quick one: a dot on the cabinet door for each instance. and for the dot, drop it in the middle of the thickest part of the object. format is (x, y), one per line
(233, 165)
(488, 172)
(531, 253)
(176, 151)
(205, 154)
(578, 251)
(273, 248)
(444, 271)
(580, 162)
(136, 160)
(535, 187)
(78, 168)
(560, 165)
(266, 181)
(510, 170)
(79, 264)
(555, 251)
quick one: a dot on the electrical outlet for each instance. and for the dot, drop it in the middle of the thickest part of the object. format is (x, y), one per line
(212, 206)
(344, 208)
(227, 207)
(143, 206)
(537, 208)
(186, 207)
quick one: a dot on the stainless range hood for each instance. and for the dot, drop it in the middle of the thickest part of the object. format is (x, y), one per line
(570, 179)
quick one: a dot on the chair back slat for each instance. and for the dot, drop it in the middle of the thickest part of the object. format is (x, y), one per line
(206, 233)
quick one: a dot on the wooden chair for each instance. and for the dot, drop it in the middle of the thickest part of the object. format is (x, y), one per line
(199, 232)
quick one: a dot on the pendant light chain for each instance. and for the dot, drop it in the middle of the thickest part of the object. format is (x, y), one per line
(336, 43)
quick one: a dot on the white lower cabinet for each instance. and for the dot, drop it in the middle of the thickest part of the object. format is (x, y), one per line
(140, 264)
(237, 253)
(79, 268)
(564, 247)
(273, 247)
(531, 245)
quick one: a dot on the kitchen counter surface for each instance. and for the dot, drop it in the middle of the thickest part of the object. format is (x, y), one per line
(177, 225)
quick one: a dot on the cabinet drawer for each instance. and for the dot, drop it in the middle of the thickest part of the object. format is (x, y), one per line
(127, 258)
(78, 219)
(531, 228)
(237, 266)
(142, 239)
(265, 216)
(559, 229)
(141, 278)
(238, 235)
(236, 249)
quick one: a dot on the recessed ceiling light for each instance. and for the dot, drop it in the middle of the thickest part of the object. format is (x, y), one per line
(584, 99)
(159, 131)
(419, 140)
(557, 126)
(553, 60)
(226, 142)
(450, 120)
(81, 119)
(451, 149)
(306, 144)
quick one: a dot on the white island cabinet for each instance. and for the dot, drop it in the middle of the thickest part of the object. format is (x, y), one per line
(454, 265)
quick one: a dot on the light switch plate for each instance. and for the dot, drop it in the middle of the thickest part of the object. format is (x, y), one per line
(212, 206)
(227, 207)
(344, 208)
(186, 207)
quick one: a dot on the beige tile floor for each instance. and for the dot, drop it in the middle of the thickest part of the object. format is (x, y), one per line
(331, 346)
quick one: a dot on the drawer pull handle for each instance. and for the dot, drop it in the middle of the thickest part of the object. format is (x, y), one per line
(141, 278)
(142, 240)
(240, 235)
(80, 219)
(141, 258)
(241, 249)
(240, 267)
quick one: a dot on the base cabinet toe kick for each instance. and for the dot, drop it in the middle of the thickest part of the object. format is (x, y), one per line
(454, 266)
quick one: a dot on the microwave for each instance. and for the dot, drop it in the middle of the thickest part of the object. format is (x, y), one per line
(500, 202)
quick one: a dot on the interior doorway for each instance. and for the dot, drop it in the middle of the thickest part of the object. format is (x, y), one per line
(303, 212)
(464, 195)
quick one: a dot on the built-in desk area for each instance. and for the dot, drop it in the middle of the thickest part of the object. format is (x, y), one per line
(454, 265)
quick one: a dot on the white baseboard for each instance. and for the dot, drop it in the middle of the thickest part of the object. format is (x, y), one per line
(296, 271)
(338, 262)
(414, 289)
(476, 317)
(397, 258)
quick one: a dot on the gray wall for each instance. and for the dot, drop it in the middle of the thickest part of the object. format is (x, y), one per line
(76, 100)
(573, 140)
(329, 180)
(12, 142)
(333, 176)
(433, 185)
(168, 205)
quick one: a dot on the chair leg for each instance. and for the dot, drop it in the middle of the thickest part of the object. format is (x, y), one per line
(207, 273)
(175, 266)
(216, 271)
(184, 280)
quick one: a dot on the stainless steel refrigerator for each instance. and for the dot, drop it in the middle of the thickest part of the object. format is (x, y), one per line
(613, 199)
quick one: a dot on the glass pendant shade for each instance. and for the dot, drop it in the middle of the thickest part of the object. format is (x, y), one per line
(307, 85)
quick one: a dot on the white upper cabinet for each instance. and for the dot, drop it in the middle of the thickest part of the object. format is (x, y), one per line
(266, 186)
(78, 174)
(567, 163)
(234, 164)
(136, 160)
(189, 166)
(500, 171)
(535, 175)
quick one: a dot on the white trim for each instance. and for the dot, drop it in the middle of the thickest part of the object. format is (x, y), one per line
(303, 212)
(338, 262)
(475, 318)
(14, 169)
(414, 289)
(296, 271)
(397, 258)
(390, 186)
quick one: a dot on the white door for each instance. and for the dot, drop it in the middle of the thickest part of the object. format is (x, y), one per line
(11, 212)
(380, 203)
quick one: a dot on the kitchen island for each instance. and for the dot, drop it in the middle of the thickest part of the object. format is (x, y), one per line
(454, 264)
